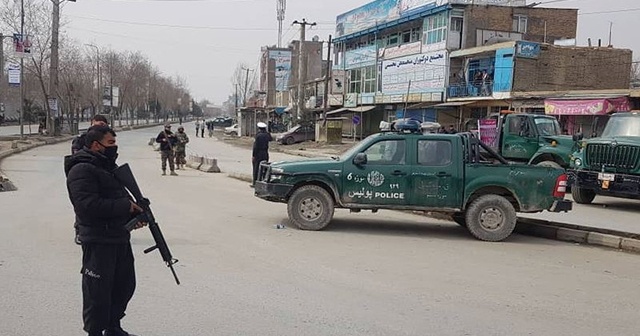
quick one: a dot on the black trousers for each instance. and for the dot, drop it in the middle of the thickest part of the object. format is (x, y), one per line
(108, 283)
(256, 164)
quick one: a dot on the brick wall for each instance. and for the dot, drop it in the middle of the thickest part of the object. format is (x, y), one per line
(560, 23)
(573, 68)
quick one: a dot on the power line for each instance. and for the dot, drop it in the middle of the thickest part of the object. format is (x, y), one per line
(612, 11)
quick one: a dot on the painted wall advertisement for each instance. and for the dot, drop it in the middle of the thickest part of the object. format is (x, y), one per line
(402, 50)
(360, 57)
(380, 11)
(427, 73)
(488, 132)
(337, 81)
(283, 68)
(585, 106)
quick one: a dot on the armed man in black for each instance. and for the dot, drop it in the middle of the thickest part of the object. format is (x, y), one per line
(78, 142)
(260, 149)
(103, 208)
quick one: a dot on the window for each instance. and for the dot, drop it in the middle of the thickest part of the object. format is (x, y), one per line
(406, 36)
(435, 28)
(386, 152)
(355, 81)
(362, 80)
(392, 40)
(434, 153)
(369, 79)
(517, 124)
(520, 24)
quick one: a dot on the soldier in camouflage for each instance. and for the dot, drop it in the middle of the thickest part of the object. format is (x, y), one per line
(181, 148)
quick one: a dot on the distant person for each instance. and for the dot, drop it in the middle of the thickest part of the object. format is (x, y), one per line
(260, 149)
(181, 148)
(451, 130)
(167, 141)
(202, 127)
(197, 128)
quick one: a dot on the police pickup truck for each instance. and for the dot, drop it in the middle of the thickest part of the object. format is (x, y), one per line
(405, 169)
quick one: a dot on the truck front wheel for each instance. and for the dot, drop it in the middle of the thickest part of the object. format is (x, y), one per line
(582, 195)
(491, 218)
(310, 207)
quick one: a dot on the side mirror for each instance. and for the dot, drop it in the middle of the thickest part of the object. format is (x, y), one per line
(360, 159)
(578, 137)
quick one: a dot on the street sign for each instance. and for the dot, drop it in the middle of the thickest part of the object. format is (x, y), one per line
(356, 120)
(14, 74)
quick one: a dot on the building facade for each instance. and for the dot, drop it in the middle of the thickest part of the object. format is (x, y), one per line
(395, 55)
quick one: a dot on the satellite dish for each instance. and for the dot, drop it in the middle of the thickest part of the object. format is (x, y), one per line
(315, 38)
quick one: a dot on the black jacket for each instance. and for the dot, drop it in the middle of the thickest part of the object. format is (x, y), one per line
(166, 145)
(261, 145)
(78, 142)
(100, 201)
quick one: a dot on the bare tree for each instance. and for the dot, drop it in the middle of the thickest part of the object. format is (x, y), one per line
(246, 85)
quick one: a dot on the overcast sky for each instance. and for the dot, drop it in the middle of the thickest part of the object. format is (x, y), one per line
(231, 31)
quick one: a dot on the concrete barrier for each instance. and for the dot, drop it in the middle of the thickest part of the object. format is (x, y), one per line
(194, 161)
(152, 141)
(209, 165)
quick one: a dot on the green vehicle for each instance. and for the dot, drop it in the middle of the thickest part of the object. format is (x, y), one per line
(407, 170)
(610, 164)
(533, 139)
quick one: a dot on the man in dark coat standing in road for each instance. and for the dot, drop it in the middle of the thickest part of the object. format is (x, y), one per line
(103, 208)
(78, 143)
(260, 149)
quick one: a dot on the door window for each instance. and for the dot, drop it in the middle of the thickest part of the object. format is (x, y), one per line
(434, 153)
(387, 152)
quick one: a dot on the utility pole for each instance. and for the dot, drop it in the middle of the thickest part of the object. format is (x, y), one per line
(610, 30)
(21, 71)
(246, 86)
(302, 68)
(327, 77)
(236, 98)
(53, 66)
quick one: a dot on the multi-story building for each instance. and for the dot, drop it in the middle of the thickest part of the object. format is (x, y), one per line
(395, 54)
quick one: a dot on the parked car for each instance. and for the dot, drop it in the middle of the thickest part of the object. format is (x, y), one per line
(232, 130)
(414, 171)
(297, 134)
(223, 122)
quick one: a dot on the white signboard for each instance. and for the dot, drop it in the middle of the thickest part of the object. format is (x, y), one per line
(361, 57)
(427, 73)
(13, 73)
(403, 50)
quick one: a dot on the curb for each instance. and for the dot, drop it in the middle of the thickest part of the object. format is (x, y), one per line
(619, 240)
(241, 177)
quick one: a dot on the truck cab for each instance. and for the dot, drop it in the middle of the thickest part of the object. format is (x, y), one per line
(405, 169)
(609, 165)
(531, 138)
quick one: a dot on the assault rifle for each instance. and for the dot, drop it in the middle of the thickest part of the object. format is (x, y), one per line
(125, 176)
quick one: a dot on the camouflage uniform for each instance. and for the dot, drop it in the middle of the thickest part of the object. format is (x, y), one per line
(181, 148)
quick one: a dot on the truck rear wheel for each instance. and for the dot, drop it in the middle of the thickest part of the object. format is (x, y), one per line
(310, 207)
(491, 218)
(582, 195)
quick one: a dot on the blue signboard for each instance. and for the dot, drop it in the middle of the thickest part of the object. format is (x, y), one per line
(356, 120)
(527, 49)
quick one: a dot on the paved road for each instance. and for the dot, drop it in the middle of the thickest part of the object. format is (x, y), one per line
(383, 274)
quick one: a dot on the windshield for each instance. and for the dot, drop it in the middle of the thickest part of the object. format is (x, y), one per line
(548, 126)
(622, 126)
(356, 148)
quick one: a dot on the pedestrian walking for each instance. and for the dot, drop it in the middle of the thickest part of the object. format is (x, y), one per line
(102, 207)
(77, 144)
(260, 149)
(197, 127)
(167, 141)
(210, 127)
(202, 127)
(181, 148)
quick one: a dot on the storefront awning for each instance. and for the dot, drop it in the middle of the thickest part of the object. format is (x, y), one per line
(596, 106)
(421, 106)
(358, 109)
(454, 104)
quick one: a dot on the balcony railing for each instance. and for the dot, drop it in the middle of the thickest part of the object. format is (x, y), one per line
(476, 89)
